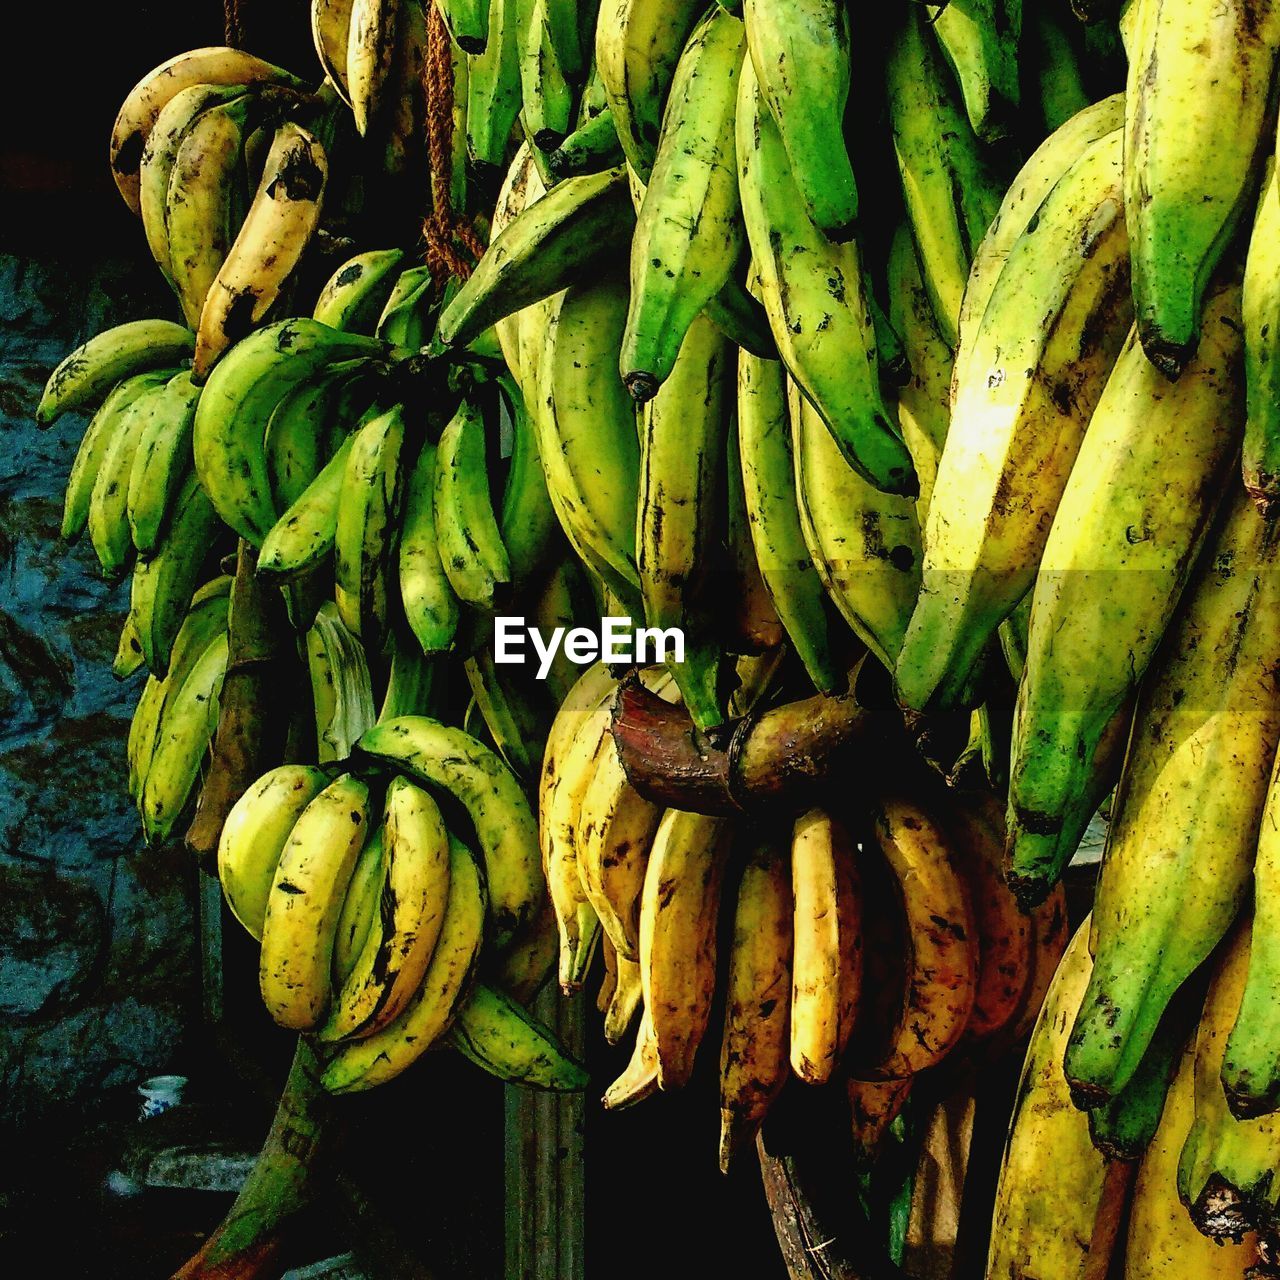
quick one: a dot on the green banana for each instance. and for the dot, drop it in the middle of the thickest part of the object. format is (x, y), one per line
(471, 549)
(495, 1033)
(1057, 318)
(97, 439)
(800, 51)
(1062, 91)
(430, 607)
(83, 378)
(813, 292)
(164, 583)
(591, 148)
(239, 397)
(529, 529)
(469, 22)
(864, 543)
(516, 721)
(505, 827)
(548, 95)
(409, 315)
(364, 536)
(1140, 498)
(688, 234)
(565, 237)
(493, 86)
(638, 43)
(680, 515)
(354, 296)
(1260, 460)
(162, 463)
(950, 193)
(769, 490)
(1199, 108)
(1185, 823)
(980, 39)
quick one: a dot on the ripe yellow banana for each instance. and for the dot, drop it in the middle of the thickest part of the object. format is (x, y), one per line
(307, 892)
(826, 968)
(678, 911)
(754, 1046)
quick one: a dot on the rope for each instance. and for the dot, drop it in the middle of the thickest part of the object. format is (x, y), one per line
(233, 24)
(445, 232)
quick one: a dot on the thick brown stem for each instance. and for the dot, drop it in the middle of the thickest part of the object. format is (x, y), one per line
(779, 759)
(247, 1243)
(253, 720)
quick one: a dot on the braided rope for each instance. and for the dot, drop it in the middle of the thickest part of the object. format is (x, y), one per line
(233, 23)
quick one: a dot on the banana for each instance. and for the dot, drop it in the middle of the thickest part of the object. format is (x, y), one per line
(680, 514)
(1261, 308)
(800, 52)
(754, 1045)
(688, 234)
(1198, 111)
(206, 620)
(565, 237)
(591, 148)
(430, 607)
(638, 44)
(523, 969)
(354, 296)
(1048, 1210)
(980, 39)
(364, 537)
(307, 892)
(472, 552)
(1162, 1242)
(514, 710)
(128, 656)
(254, 835)
(521, 185)
(873, 1106)
(924, 399)
(1185, 822)
(164, 584)
(639, 1078)
(626, 1000)
(678, 909)
(217, 65)
(1134, 513)
(1251, 1063)
(1060, 77)
(397, 950)
(97, 441)
(282, 217)
(1049, 938)
(109, 497)
(549, 98)
(768, 481)
(1021, 203)
(529, 528)
(83, 378)
(371, 47)
(330, 34)
(976, 826)
(949, 191)
(493, 86)
(469, 22)
(814, 294)
(826, 967)
(362, 1064)
(941, 963)
(495, 1033)
(414, 685)
(409, 313)
(586, 429)
(206, 201)
(1226, 1170)
(162, 463)
(359, 907)
(304, 535)
(188, 718)
(237, 402)
(1045, 345)
(161, 153)
(506, 829)
(864, 543)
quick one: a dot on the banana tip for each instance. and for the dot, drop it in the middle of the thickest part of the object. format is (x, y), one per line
(642, 386)
(1168, 356)
(471, 44)
(548, 139)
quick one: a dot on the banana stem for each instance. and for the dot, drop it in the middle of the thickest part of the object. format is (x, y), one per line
(780, 758)
(254, 717)
(247, 1243)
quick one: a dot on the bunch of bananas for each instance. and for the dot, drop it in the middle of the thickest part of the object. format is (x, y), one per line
(865, 945)
(978, 397)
